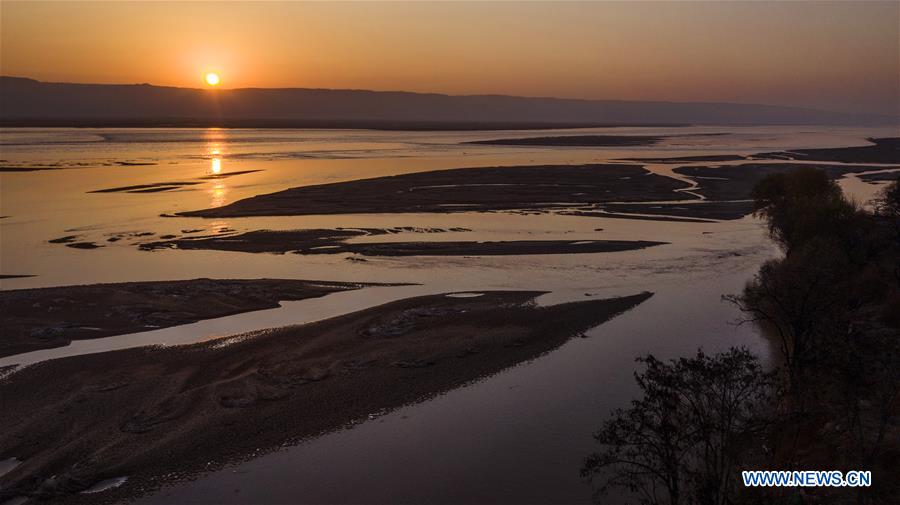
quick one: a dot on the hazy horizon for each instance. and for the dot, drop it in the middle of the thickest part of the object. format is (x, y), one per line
(404, 91)
(799, 54)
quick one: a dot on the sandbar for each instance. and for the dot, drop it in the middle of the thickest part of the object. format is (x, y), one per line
(158, 415)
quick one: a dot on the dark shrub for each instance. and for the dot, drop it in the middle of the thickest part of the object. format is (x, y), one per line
(680, 443)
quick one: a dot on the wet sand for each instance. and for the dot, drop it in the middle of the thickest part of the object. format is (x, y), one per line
(597, 212)
(536, 188)
(52, 317)
(37, 167)
(882, 150)
(160, 414)
(690, 159)
(324, 241)
(589, 140)
(148, 188)
(30, 168)
(74, 242)
(168, 186)
(880, 176)
(576, 141)
(703, 209)
(310, 241)
(462, 189)
(735, 182)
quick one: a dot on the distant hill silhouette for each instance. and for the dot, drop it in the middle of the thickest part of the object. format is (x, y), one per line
(30, 102)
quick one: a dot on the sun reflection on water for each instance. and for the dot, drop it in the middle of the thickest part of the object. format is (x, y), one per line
(215, 152)
(218, 194)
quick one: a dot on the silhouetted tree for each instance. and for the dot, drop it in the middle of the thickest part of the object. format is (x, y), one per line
(804, 206)
(803, 300)
(887, 203)
(792, 204)
(681, 442)
(887, 207)
(810, 295)
(834, 303)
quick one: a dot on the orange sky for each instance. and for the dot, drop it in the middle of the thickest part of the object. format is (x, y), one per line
(830, 55)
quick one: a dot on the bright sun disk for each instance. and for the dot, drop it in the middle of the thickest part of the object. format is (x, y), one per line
(212, 79)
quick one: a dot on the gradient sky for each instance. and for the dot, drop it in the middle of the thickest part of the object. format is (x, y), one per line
(830, 55)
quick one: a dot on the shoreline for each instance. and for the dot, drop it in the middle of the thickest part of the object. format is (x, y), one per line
(321, 241)
(134, 412)
(46, 318)
(497, 188)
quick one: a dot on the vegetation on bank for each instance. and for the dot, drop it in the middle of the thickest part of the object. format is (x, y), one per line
(831, 307)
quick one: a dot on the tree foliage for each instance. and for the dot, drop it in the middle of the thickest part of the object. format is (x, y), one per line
(838, 260)
(805, 206)
(833, 301)
(680, 443)
(888, 201)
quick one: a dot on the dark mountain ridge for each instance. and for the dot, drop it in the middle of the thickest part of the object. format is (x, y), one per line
(27, 102)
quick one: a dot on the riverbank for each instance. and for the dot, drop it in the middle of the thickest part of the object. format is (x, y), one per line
(44, 318)
(155, 414)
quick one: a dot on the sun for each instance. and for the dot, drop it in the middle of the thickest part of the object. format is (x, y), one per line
(212, 79)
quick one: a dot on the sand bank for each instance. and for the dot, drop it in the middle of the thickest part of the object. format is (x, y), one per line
(735, 182)
(159, 414)
(333, 241)
(576, 141)
(52, 317)
(462, 190)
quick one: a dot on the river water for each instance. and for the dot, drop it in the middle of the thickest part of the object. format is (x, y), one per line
(516, 437)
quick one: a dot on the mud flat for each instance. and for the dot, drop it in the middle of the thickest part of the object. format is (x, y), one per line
(576, 141)
(882, 150)
(691, 159)
(36, 167)
(462, 190)
(325, 241)
(156, 415)
(29, 168)
(52, 317)
(599, 212)
(148, 188)
(308, 241)
(881, 176)
(692, 211)
(735, 182)
(156, 187)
